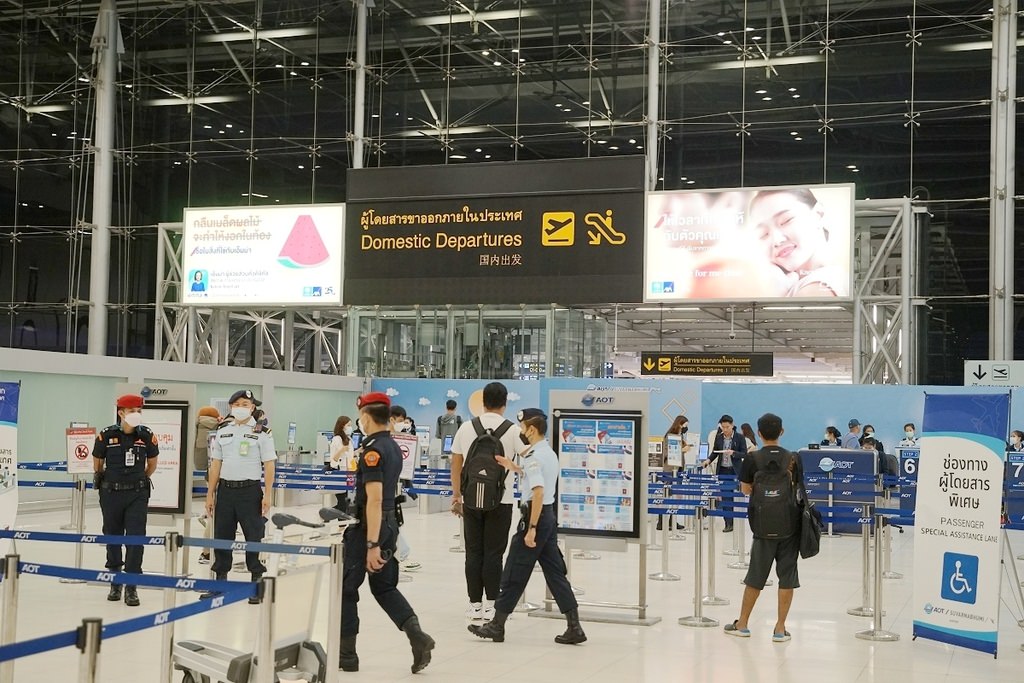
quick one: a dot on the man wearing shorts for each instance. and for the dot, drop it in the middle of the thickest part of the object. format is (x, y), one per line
(783, 552)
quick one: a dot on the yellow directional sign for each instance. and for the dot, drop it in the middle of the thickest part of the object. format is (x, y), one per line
(707, 364)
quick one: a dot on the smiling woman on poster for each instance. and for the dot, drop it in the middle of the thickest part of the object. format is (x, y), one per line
(792, 226)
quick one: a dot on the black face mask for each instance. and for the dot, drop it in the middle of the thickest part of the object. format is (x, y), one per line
(683, 429)
(522, 437)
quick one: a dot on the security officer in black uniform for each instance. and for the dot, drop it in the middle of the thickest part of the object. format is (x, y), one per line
(370, 545)
(124, 458)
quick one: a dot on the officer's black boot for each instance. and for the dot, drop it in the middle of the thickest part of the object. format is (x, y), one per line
(574, 634)
(131, 596)
(349, 660)
(256, 576)
(115, 593)
(212, 594)
(493, 629)
(421, 643)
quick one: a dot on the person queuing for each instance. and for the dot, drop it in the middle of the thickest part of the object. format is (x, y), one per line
(869, 432)
(1016, 441)
(241, 454)
(852, 438)
(727, 450)
(340, 455)
(678, 427)
(370, 545)
(776, 534)
(401, 423)
(749, 437)
(833, 438)
(909, 439)
(536, 539)
(124, 458)
(485, 523)
(206, 425)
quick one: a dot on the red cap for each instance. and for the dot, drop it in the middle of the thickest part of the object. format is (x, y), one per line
(130, 401)
(372, 398)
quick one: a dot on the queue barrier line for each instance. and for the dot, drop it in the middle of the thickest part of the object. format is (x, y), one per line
(100, 539)
(254, 547)
(50, 484)
(124, 578)
(54, 466)
(35, 646)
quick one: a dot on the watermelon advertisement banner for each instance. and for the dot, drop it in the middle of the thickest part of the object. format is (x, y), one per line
(957, 532)
(9, 394)
(263, 255)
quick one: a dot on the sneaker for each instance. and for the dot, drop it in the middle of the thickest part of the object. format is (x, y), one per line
(733, 630)
(204, 558)
(409, 566)
(475, 611)
(781, 637)
(488, 612)
(202, 520)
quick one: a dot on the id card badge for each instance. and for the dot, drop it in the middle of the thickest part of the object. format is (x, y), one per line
(243, 448)
(129, 457)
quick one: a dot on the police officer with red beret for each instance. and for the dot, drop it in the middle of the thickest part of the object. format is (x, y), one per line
(370, 545)
(124, 458)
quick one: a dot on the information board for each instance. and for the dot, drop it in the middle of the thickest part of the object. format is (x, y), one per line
(168, 422)
(674, 456)
(263, 255)
(80, 441)
(409, 445)
(10, 393)
(707, 364)
(600, 455)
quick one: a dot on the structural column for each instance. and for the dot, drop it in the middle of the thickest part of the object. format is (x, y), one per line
(359, 120)
(1001, 202)
(106, 44)
(653, 92)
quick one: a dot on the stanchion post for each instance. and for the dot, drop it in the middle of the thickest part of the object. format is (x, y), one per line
(90, 633)
(698, 620)
(171, 543)
(740, 538)
(711, 599)
(80, 487)
(664, 574)
(265, 647)
(334, 613)
(9, 629)
(75, 493)
(865, 609)
(876, 632)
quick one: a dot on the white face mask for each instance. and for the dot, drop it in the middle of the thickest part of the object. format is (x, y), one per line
(241, 413)
(910, 433)
(869, 433)
(1015, 440)
(348, 430)
(133, 420)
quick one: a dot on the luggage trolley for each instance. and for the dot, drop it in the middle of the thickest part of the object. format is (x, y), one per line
(297, 656)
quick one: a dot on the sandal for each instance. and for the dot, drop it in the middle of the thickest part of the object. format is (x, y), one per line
(781, 637)
(734, 630)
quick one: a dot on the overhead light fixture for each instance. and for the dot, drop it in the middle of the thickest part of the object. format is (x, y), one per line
(690, 182)
(793, 132)
(305, 64)
(761, 63)
(487, 156)
(796, 97)
(766, 99)
(973, 45)
(228, 125)
(301, 167)
(614, 147)
(269, 34)
(478, 150)
(516, 50)
(852, 166)
(639, 146)
(454, 130)
(497, 62)
(374, 116)
(472, 17)
(184, 101)
(254, 194)
(602, 142)
(792, 90)
(457, 156)
(762, 91)
(798, 139)
(486, 53)
(727, 42)
(632, 141)
(46, 108)
(586, 102)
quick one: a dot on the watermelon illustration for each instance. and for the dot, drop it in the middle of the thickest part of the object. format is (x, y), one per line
(303, 248)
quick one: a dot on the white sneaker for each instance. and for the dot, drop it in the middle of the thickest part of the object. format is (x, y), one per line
(488, 612)
(409, 566)
(475, 611)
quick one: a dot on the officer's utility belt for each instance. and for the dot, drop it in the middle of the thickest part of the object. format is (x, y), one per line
(243, 484)
(126, 486)
(360, 514)
(524, 508)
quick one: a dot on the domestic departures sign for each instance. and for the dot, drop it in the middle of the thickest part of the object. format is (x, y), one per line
(707, 364)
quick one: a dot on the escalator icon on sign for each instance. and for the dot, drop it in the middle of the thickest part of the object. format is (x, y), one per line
(602, 229)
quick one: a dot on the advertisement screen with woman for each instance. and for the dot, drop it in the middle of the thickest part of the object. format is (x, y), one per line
(754, 243)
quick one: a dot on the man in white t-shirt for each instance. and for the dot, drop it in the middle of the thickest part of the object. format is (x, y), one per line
(485, 532)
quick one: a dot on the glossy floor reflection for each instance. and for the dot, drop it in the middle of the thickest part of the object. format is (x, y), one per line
(823, 647)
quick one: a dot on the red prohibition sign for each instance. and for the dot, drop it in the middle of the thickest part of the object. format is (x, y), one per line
(81, 451)
(405, 452)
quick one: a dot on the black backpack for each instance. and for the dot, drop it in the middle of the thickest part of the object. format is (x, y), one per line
(773, 511)
(483, 477)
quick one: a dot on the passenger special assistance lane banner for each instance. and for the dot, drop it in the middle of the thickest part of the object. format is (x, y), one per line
(9, 394)
(957, 544)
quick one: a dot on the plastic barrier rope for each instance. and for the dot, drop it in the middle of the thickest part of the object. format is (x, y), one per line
(81, 538)
(123, 628)
(55, 466)
(38, 645)
(123, 578)
(252, 547)
(677, 510)
(48, 484)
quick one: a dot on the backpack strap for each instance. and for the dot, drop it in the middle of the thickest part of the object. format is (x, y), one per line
(502, 428)
(478, 426)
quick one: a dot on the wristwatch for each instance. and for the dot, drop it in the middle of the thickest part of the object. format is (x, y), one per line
(370, 545)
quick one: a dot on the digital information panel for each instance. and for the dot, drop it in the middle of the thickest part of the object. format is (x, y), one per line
(566, 231)
(599, 454)
(168, 421)
(263, 255)
(752, 243)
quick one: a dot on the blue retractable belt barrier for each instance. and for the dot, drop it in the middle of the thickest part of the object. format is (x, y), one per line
(80, 538)
(283, 548)
(55, 466)
(123, 628)
(123, 578)
(38, 645)
(48, 484)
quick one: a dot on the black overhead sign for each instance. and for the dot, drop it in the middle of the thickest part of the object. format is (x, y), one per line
(707, 364)
(566, 231)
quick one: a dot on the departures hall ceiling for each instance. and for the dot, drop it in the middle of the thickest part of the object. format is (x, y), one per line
(233, 102)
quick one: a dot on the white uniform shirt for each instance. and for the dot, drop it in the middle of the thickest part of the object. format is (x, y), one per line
(510, 441)
(242, 451)
(540, 468)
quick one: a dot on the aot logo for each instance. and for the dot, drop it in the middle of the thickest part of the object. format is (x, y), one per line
(30, 569)
(22, 535)
(928, 608)
(238, 546)
(187, 584)
(104, 577)
(161, 618)
(87, 539)
(589, 400)
(146, 392)
(828, 464)
(307, 550)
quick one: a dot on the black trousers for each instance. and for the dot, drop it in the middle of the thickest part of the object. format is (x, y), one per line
(521, 559)
(486, 537)
(238, 507)
(124, 514)
(383, 584)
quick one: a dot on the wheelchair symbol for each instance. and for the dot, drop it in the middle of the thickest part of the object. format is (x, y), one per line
(958, 582)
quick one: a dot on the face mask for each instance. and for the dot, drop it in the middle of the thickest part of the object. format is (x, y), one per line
(1015, 440)
(241, 413)
(683, 429)
(348, 430)
(910, 433)
(869, 433)
(522, 437)
(133, 420)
